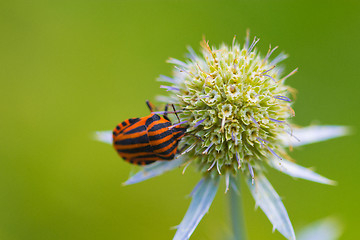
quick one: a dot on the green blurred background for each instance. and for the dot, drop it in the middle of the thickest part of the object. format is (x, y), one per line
(68, 68)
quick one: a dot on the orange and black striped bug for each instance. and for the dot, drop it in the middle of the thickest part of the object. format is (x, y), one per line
(148, 139)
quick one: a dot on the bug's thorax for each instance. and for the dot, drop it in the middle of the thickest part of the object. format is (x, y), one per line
(179, 132)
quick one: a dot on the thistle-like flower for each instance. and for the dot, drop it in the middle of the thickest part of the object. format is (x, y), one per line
(237, 110)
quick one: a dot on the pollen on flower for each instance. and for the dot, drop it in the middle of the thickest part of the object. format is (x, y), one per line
(236, 105)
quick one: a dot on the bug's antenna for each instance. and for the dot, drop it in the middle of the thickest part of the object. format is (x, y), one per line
(166, 112)
(150, 106)
(175, 112)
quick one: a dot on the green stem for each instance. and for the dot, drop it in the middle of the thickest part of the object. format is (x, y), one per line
(236, 212)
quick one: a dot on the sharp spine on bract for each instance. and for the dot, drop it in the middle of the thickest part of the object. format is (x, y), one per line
(251, 170)
(212, 165)
(289, 75)
(198, 123)
(274, 153)
(269, 53)
(283, 98)
(275, 120)
(255, 41)
(268, 70)
(266, 75)
(177, 124)
(207, 149)
(168, 88)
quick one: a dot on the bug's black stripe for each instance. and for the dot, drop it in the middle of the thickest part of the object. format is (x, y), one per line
(144, 157)
(179, 134)
(142, 162)
(152, 119)
(139, 129)
(167, 158)
(141, 139)
(147, 162)
(159, 126)
(127, 123)
(136, 150)
(168, 151)
(161, 135)
(133, 120)
(163, 144)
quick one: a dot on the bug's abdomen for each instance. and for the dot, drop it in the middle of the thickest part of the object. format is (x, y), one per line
(132, 144)
(146, 140)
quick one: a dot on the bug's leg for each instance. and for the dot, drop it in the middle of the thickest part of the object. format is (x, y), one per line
(175, 112)
(150, 106)
(166, 112)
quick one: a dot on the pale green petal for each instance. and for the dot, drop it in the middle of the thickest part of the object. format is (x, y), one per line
(202, 198)
(269, 201)
(307, 135)
(103, 136)
(325, 229)
(297, 171)
(155, 169)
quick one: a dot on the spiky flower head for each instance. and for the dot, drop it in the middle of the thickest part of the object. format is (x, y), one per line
(236, 105)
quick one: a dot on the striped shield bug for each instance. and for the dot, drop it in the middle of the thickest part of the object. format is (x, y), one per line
(148, 139)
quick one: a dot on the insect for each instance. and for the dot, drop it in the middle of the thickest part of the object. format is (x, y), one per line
(148, 139)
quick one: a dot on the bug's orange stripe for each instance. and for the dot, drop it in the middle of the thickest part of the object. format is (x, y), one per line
(135, 125)
(159, 141)
(121, 126)
(171, 153)
(163, 149)
(159, 135)
(129, 136)
(163, 129)
(132, 146)
(155, 123)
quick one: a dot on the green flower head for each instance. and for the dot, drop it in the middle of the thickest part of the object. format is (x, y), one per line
(235, 103)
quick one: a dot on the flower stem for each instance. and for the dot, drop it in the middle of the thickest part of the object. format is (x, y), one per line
(236, 212)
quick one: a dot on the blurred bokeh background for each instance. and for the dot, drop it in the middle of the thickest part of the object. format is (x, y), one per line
(68, 68)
